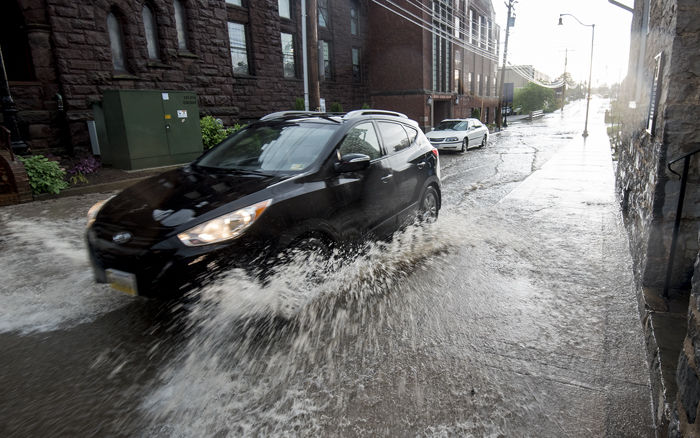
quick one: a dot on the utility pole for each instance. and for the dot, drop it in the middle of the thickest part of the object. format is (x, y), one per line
(563, 90)
(314, 89)
(501, 100)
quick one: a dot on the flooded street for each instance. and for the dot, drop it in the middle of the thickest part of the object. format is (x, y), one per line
(514, 315)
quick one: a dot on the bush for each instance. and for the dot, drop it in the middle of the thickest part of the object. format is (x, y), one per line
(336, 107)
(81, 167)
(476, 113)
(299, 104)
(213, 131)
(365, 106)
(45, 176)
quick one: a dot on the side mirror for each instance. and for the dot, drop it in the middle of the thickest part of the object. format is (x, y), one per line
(352, 163)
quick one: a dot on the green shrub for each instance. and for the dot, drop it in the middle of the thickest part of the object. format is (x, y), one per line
(336, 107)
(299, 104)
(365, 106)
(476, 113)
(45, 176)
(213, 131)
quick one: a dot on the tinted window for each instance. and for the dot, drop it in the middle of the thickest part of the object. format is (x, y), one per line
(412, 134)
(394, 136)
(284, 147)
(361, 139)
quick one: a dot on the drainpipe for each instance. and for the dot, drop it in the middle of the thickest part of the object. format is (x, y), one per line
(305, 56)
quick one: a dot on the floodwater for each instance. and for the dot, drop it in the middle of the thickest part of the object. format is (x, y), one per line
(513, 315)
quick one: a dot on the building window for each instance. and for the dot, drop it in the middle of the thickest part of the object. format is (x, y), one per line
(323, 18)
(116, 42)
(470, 83)
(442, 48)
(325, 59)
(356, 71)
(486, 86)
(284, 8)
(456, 29)
(478, 84)
(473, 27)
(180, 25)
(238, 48)
(235, 2)
(149, 26)
(354, 18)
(288, 65)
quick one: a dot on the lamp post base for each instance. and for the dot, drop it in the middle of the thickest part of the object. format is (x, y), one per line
(585, 133)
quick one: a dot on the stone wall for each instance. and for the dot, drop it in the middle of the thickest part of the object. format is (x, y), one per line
(648, 191)
(686, 421)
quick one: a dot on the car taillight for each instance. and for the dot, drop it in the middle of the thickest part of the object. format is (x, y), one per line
(435, 152)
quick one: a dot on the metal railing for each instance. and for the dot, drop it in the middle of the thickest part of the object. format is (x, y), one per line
(679, 212)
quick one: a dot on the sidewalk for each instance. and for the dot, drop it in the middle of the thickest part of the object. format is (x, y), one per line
(580, 265)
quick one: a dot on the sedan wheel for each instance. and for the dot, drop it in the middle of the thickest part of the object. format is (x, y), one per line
(483, 142)
(429, 206)
(465, 144)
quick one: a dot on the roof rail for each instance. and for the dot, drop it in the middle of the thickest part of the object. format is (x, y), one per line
(373, 112)
(283, 114)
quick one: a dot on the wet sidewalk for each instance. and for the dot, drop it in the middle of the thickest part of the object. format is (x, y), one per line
(579, 263)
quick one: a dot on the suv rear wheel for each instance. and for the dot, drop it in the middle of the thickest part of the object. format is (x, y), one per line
(429, 205)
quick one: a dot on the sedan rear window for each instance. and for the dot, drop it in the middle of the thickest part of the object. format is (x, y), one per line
(284, 147)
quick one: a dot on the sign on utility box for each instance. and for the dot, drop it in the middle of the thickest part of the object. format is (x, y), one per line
(149, 128)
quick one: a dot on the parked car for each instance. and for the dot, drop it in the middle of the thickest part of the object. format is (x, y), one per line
(291, 180)
(459, 134)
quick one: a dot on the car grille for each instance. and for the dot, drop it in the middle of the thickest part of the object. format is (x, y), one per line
(145, 237)
(436, 140)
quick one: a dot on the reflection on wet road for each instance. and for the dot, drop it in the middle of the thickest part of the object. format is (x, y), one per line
(513, 315)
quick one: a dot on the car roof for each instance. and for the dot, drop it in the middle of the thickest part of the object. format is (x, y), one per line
(459, 120)
(339, 118)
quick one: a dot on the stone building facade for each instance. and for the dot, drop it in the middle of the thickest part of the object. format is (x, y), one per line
(243, 58)
(662, 91)
(61, 57)
(443, 65)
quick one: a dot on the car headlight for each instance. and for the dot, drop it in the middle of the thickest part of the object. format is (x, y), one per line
(222, 228)
(92, 213)
(451, 139)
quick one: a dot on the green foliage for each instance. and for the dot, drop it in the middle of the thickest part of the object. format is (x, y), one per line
(78, 178)
(214, 132)
(336, 107)
(45, 176)
(476, 113)
(299, 104)
(365, 106)
(533, 97)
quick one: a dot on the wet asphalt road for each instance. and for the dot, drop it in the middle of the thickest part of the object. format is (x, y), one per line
(514, 315)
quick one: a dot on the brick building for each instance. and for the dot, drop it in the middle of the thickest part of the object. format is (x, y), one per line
(662, 92)
(243, 58)
(441, 65)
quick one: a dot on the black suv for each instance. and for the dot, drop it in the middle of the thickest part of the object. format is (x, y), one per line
(292, 179)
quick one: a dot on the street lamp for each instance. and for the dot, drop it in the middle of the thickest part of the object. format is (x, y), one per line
(590, 71)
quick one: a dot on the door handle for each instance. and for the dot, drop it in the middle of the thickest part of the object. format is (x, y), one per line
(386, 179)
(421, 165)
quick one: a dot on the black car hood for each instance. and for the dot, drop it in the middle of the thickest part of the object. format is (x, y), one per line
(178, 196)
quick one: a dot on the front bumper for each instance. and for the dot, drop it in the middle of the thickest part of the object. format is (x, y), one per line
(168, 269)
(447, 145)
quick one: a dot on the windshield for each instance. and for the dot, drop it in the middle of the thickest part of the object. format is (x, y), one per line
(278, 148)
(452, 125)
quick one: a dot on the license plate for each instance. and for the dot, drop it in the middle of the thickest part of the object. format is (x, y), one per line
(122, 281)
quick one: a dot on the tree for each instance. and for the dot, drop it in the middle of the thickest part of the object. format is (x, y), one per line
(534, 97)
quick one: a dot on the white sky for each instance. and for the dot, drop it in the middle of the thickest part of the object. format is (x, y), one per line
(536, 38)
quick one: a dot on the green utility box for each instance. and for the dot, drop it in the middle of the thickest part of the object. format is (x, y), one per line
(148, 128)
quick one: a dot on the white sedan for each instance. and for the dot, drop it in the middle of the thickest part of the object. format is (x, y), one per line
(459, 134)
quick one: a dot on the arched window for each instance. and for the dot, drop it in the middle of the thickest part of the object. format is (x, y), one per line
(116, 41)
(180, 25)
(149, 25)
